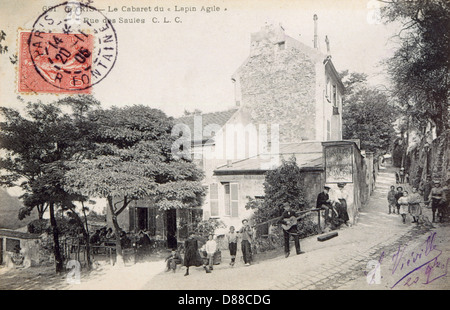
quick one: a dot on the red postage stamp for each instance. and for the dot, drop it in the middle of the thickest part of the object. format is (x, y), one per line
(59, 56)
(55, 62)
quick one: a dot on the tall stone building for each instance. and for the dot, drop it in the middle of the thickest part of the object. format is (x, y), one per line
(286, 82)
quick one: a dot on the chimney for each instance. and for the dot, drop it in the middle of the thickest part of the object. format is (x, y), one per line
(327, 41)
(315, 30)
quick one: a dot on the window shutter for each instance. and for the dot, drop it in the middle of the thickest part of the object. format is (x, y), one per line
(214, 199)
(234, 195)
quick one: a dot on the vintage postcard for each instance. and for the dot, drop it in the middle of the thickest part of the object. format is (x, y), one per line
(224, 145)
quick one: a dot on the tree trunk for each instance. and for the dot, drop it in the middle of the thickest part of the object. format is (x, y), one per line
(117, 230)
(56, 250)
(86, 237)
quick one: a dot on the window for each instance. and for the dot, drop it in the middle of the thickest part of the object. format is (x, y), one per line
(334, 96)
(11, 244)
(231, 199)
(214, 199)
(234, 200)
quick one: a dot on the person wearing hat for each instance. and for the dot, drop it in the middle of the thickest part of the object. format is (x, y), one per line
(291, 231)
(246, 235)
(437, 200)
(324, 202)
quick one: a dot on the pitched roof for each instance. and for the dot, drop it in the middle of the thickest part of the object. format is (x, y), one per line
(214, 118)
(308, 154)
(17, 234)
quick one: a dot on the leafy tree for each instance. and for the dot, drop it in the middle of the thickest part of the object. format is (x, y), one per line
(282, 185)
(36, 147)
(132, 160)
(419, 68)
(367, 114)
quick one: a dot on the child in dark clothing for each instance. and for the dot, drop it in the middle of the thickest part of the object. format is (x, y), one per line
(172, 260)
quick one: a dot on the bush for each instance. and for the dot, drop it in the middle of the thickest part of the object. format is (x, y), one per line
(39, 226)
(206, 227)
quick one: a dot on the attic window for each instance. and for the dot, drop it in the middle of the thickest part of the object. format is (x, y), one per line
(281, 45)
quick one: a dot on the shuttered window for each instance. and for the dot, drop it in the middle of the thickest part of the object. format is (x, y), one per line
(214, 199)
(234, 195)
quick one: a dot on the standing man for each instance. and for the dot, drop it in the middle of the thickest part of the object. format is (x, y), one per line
(324, 202)
(246, 239)
(437, 193)
(289, 224)
(402, 175)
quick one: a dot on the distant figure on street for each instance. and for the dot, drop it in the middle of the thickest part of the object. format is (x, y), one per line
(404, 203)
(437, 200)
(391, 199)
(414, 205)
(324, 202)
(173, 260)
(401, 174)
(246, 235)
(191, 255)
(232, 238)
(398, 195)
(427, 190)
(289, 224)
(397, 177)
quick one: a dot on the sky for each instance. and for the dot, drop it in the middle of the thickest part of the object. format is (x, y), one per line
(188, 65)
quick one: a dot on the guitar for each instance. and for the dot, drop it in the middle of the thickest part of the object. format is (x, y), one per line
(291, 222)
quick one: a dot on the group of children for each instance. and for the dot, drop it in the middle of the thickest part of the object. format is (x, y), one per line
(405, 203)
(192, 256)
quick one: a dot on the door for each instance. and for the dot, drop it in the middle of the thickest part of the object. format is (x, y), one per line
(171, 224)
(142, 218)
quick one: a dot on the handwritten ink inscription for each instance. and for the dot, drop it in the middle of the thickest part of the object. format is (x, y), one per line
(339, 164)
(422, 265)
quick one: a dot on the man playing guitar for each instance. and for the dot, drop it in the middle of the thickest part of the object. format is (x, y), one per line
(289, 223)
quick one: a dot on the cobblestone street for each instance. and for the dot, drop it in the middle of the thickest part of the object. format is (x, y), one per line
(406, 256)
(342, 262)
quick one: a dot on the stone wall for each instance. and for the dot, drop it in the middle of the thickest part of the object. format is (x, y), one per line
(278, 85)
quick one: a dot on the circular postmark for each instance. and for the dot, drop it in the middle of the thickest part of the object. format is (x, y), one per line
(73, 46)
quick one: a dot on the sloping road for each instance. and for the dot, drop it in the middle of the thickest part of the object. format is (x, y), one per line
(339, 263)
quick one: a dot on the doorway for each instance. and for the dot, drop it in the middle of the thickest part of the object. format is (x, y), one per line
(171, 224)
(142, 218)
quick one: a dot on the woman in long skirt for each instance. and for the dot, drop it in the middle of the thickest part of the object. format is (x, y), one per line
(414, 205)
(191, 254)
(341, 204)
